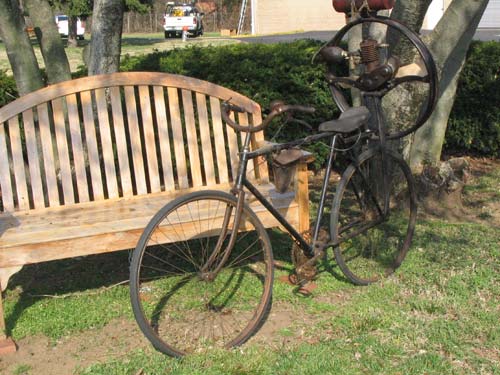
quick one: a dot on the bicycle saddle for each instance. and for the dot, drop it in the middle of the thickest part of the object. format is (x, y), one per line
(350, 120)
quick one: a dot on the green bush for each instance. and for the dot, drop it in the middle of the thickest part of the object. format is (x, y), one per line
(474, 124)
(8, 90)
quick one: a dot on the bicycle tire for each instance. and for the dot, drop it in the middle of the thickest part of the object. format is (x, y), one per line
(186, 296)
(385, 219)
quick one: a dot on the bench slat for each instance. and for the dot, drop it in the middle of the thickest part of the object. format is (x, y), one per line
(261, 171)
(149, 137)
(5, 178)
(176, 124)
(163, 138)
(48, 155)
(232, 140)
(121, 142)
(33, 159)
(135, 140)
(192, 138)
(62, 151)
(206, 142)
(91, 140)
(77, 145)
(218, 137)
(18, 164)
(106, 143)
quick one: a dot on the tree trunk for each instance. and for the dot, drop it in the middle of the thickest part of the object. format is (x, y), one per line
(72, 33)
(105, 47)
(448, 43)
(19, 50)
(51, 45)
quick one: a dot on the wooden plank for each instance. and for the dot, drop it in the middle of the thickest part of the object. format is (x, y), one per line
(176, 124)
(206, 142)
(92, 149)
(33, 159)
(261, 170)
(121, 142)
(18, 164)
(232, 140)
(192, 138)
(220, 149)
(48, 155)
(77, 145)
(164, 140)
(135, 140)
(106, 143)
(62, 151)
(123, 79)
(149, 138)
(243, 120)
(5, 178)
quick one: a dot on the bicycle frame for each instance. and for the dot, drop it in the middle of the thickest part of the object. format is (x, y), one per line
(242, 181)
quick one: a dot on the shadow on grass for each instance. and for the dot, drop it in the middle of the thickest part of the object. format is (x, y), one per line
(58, 278)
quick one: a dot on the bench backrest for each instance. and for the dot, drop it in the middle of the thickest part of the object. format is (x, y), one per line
(116, 136)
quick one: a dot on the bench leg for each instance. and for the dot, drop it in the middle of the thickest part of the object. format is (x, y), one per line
(302, 194)
(7, 345)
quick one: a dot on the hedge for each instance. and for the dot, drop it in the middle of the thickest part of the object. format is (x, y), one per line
(474, 124)
(284, 71)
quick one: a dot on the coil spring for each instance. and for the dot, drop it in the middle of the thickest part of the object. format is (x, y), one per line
(369, 51)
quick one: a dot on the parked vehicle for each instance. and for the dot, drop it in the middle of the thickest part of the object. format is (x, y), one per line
(182, 17)
(63, 26)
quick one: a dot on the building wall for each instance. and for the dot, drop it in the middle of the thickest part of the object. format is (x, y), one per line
(275, 16)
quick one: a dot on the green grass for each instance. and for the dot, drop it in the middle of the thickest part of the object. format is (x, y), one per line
(132, 44)
(437, 315)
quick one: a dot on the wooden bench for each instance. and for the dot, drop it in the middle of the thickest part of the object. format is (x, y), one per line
(85, 164)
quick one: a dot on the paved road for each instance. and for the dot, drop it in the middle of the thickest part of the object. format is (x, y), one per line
(484, 34)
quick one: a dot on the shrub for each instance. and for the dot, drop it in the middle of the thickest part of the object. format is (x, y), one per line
(474, 124)
(8, 90)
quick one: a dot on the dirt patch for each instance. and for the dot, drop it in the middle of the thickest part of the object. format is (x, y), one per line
(40, 355)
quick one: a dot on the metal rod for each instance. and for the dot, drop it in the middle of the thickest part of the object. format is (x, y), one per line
(321, 207)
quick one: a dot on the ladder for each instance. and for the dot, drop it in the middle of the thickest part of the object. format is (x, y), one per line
(243, 12)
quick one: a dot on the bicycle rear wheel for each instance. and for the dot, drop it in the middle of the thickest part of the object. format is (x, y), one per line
(190, 292)
(373, 216)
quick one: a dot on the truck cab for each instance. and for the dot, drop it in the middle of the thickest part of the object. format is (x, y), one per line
(179, 17)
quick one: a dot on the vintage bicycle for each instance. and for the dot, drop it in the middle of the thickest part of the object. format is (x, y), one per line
(210, 285)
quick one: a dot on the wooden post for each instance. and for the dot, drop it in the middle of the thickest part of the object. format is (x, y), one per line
(302, 196)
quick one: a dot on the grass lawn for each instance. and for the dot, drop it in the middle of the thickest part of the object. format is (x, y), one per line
(439, 314)
(132, 44)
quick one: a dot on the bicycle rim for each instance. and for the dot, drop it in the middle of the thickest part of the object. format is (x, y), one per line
(372, 226)
(189, 291)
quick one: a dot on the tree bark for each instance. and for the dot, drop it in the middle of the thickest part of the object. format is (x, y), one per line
(449, 43)
(19, 50)
(51, 46)
(105, 47)
(72, 32)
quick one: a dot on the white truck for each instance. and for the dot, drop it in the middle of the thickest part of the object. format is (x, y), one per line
(179, 17)
(62, 22)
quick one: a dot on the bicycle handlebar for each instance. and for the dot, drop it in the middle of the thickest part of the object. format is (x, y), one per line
(277, 108)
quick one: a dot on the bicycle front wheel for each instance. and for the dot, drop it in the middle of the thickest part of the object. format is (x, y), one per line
(373, 216)
(190, 291)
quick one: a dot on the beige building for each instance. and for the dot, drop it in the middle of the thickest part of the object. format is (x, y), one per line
(279, 16)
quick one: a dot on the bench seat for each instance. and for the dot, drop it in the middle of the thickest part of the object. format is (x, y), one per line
(69, 231)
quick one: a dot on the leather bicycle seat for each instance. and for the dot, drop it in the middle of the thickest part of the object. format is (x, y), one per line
(348, 121)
